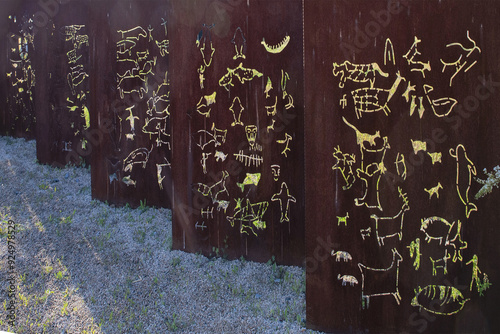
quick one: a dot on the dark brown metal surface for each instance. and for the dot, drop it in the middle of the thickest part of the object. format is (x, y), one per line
(61, 62)
(401, 117)
(130, 102)
(237, 129)
(6, 7)
(18, 118)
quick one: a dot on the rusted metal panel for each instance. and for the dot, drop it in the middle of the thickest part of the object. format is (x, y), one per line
(237, 92)
(61, 62)
(401, 100)
(18, 119)
(130, 94)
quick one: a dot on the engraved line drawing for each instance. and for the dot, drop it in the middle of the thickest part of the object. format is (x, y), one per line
(276, 48)
(251, 216)
(289, 103)
(240, 44)
(389, 52)
(372, 173)
(341, 255)
(202, 226)
(269, 87)
(457, 244)
(441, 263)
(251, 134)
(415, 252)
(475, 270)
(386, 227)
(481, 286)
(361, 138)
(342, 219)
(368, 100)
(343, 101)
(449, 299)
(445, 103)
(159, 171)
(271, 110)
(275, 170)
(134, 33)
(236, 109)
(217, 137)
(410, 57)
(436, 157)
(365, 232)
(215, 189)
(241, 73)
(249, 159)
(285, 141)
(138, 156)
(206, 34)
(157, 126)
(207, 57)
(222, 205)
(271, 126)
(401, 165)
(347, 279)
(434, 190)
(160, 101)
(418, 146)
(76, 77)
(250, 179)
(358, 73)
(458, 65)
(129, 182)
(284, 78)
(131, 118)
(203, 161)
(220, 156)
(208, 213)
(380, 282)
(205, 103)
(344, 163)
(284, 198)
(437, 228)
(164, 24)
(410, 88)
(465, 170)
(163, 47)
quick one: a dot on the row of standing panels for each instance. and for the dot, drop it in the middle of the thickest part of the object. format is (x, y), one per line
(237, 92)
(61, 62)
(18, 77)
(130, 102)
(401, 101)
(401, 126)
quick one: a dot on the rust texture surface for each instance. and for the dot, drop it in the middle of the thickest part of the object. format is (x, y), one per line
(18, 116)
(61, 62)
(130, 94)
(237, 92)
(401, 123)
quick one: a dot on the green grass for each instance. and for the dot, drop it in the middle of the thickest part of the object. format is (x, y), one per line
(173, 322)
(140, 235)
(69, 219)
(143, 207)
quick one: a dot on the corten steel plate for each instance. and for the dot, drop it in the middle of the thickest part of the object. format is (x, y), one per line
(6, 7)
(130, 102)
(402, 118)
(237, 92)
(62, 69)
(18, 117)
